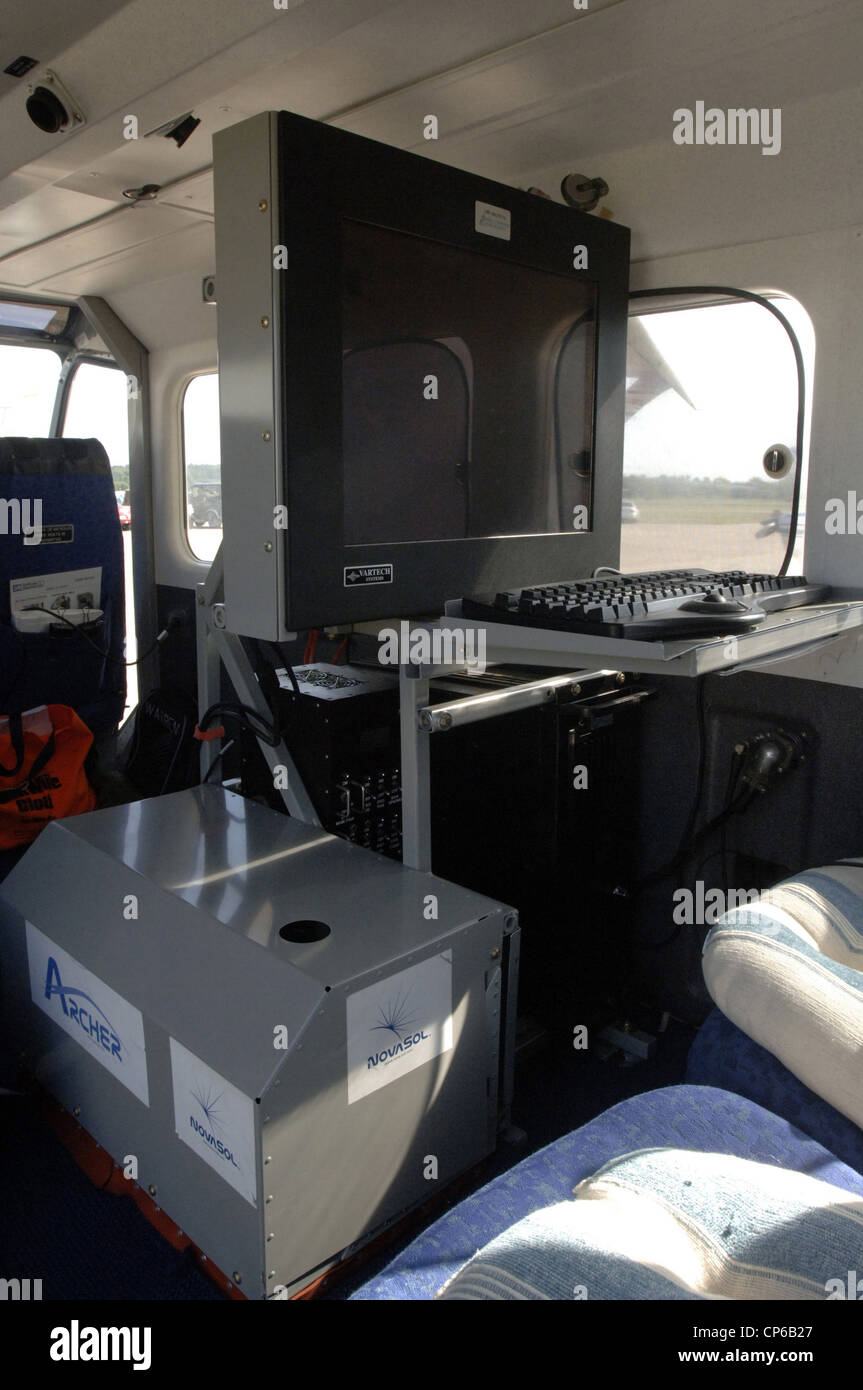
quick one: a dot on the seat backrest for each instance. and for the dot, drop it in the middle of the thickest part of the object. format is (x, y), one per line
(62, 492)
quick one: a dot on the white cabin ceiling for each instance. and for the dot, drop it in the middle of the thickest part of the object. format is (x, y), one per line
(523, 93)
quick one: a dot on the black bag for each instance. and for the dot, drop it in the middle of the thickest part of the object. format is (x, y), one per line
(163, 753)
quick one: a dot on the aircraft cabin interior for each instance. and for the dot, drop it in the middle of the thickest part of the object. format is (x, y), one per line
(431, 677)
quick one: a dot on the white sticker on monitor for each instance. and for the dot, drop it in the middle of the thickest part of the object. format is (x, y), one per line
(100, 1020)
(398, 1024)
(216, 1120)
(492, 221)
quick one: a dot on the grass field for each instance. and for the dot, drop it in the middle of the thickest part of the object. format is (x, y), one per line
(705, 510)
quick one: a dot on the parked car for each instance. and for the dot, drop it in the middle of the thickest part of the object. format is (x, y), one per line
(781, 523)
(124, 510)
(628, 510)
(205, 505)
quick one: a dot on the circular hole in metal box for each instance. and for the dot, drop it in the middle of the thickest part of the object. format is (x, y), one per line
(304, 930)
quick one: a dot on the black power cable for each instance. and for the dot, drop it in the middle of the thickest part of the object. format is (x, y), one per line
(76, 628)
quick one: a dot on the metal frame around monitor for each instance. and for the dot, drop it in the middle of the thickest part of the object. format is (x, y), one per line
(284, 181)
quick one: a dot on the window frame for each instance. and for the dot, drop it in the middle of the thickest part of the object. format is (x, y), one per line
(186, 382)
(675, 299)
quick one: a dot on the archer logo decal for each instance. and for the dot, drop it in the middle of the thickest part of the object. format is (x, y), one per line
(215, 1119)
(398, 1024)
(72, 1002)
(94, 1015)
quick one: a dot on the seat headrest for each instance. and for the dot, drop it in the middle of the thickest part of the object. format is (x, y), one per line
(22, 455)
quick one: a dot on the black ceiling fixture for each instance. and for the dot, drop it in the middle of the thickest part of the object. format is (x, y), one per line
(583, 193)
(19, 66)
(183, 130)
(145, 194)
(46, 110)
(51, 106)
(179, 129)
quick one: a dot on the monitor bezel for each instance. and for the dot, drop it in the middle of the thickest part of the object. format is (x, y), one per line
(321, 176)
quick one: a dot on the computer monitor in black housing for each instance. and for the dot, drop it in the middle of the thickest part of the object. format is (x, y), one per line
(422, 378)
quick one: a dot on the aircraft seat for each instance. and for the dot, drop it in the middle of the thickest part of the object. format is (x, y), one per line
(682, 1147)
(677, 1190)
(787, 970)
(67, 485)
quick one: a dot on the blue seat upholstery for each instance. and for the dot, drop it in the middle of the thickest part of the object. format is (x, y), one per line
(703, 1119)
(71, 478)
(722, 1055)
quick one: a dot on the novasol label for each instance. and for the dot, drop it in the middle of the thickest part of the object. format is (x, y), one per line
(95, 1016)
(398, 1024)
(215, 1119)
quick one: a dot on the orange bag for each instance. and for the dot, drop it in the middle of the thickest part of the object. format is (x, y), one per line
(42, 774)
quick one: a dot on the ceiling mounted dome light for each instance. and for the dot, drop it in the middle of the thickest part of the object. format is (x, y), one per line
(51, 107)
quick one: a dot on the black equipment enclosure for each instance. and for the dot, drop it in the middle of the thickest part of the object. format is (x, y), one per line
(332, 195)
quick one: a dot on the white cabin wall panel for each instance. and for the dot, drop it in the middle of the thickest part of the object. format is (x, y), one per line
(136, 279)
(682, 198)
(135, 227)
(44, 30)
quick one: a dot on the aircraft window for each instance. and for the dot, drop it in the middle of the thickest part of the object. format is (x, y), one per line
(28, 385)
(708, 390)
(203, 465)
(97, 408)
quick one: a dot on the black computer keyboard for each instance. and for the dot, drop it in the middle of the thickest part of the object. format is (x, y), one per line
(660, 605)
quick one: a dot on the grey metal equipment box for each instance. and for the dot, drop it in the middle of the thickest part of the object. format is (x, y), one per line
(286, 1099)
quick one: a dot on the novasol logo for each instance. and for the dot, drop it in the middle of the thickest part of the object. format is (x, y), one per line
(215, 1144)
(389, 1054)
(397, 1020)
(77, 1343)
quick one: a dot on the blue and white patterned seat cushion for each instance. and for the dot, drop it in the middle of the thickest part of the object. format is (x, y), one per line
(723, 1056)
(674, 1224)
(788, 970)
(699, 1118)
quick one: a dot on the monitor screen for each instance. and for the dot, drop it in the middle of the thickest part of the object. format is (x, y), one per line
(421, 380)
(467, 392)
